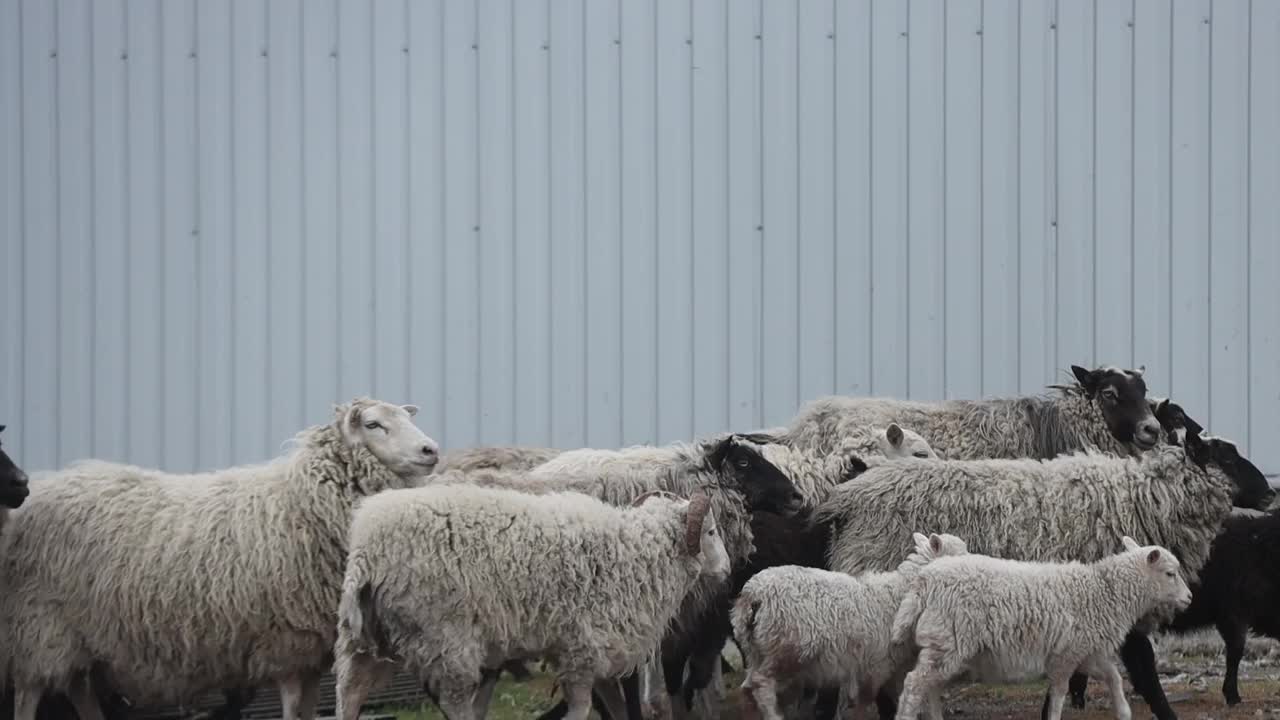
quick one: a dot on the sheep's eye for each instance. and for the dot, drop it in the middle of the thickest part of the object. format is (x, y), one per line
(711, 533)
(742, 463)
(1169, 574)
(1109, 394)
(371, 425)
(921, 455)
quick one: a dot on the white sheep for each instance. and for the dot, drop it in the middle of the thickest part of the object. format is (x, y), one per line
(1007, 620)
(805, 626)
(171, 585)
(511, 459)
(452, 579)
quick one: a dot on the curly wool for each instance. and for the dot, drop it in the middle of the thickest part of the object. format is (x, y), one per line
(177, 584)
(815, 474)
(513, 459)
(1033, 426)
(825, 629)
(1076, 507)
(481, 575)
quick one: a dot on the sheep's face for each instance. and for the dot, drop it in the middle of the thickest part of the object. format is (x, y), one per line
(896, 441)
(711, 550)
(1174, 420)
(741, 465)
(1252, 489)
(13, 482)
(1122, 397)
(388, 433)
(1163, 573)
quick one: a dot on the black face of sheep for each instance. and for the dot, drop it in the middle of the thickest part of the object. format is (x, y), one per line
(1174, 421)
(13, 482)
(853, 467)
(1252, 489)
(1122, 396)
(741, 465)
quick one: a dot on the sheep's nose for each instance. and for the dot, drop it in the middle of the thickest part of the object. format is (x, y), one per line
(1149, 432)
(430, 451)
(22, 479)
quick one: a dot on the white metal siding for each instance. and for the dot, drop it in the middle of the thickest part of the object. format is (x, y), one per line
(605, 223)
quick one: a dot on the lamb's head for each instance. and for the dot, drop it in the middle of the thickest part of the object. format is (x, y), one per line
(1173, 420)
(896, 441)
(701, 539)
(1217, 455)
(13, 482)
(388, 433)
(740, 464)
(1162, 573)
(1122, 397)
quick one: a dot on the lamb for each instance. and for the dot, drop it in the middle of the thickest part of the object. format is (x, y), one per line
(1105, 409)
(1007, 620)
(493, 575)
(786, 539)
(13, 485)
(511, 459)
(181, 584)
(812, 626)
(1032, 510)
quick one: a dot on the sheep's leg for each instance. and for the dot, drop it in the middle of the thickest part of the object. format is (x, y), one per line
(298, 697)
(1057, 694)
(764, 691)
(488, 681)
(357, 676)
(1107, 669)
(887, 702)
(827, 703)
(1140, 662)
(933, 668)
(1233, 635)
(631, 695)
(26, 701)
(578, 694)
(83, 698)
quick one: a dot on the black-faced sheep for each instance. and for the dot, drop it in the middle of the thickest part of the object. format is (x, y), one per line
(182, 584)
(1012, 620)
(452, 579)
(1105, 409)
(13, 485)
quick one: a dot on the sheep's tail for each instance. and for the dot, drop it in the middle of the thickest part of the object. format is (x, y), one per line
(904, 622)
(355, 608)
(743, 618)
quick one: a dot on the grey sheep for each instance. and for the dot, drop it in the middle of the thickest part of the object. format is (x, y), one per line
(511, 459)
(1007, 620)
(1071, 508)
(1105, 409)
(171, 585)
(452, 579)
(800, 625)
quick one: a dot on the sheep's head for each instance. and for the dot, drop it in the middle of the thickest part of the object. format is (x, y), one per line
(1174, 420)
(701, 537)
(896, 441)
(1252, 489)
(388, 433)
(1122, 397)
(741, 465)
(13, 482)
(1163, 573)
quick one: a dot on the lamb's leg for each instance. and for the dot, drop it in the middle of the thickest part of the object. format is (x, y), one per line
(26, 701)
(1110, 674)
(298, 697)
(887, 702)
(83, 698)
(631, 695)
(764, 692)
(1058, 694)
(1140, 662)
(828, 702)
(933, 668)
(1233, 635)
(358, 675)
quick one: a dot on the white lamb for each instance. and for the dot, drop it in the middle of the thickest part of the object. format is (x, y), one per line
(1010, 620)
(803, 626)
(450, 580)
(166, 586)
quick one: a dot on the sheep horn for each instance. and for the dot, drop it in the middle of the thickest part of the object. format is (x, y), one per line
(699, 506)
(653, 493)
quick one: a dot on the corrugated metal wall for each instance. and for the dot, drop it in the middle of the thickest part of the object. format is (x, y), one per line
(612, 222)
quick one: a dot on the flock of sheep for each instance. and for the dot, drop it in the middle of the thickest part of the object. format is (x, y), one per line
(871, 551)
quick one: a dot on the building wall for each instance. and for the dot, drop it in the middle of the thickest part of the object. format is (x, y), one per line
(604, 223)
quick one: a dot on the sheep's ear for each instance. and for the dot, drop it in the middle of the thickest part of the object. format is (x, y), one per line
(1088, 379)
(935, 542)
(894, 433)
(1140, 371)
(1129, 543)
(2, 427)
(1162, 407)
(411, 409)
(719, 452)
(919, 538)
(1153, 557)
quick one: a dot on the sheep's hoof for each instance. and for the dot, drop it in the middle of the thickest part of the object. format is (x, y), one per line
(1233, 699)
